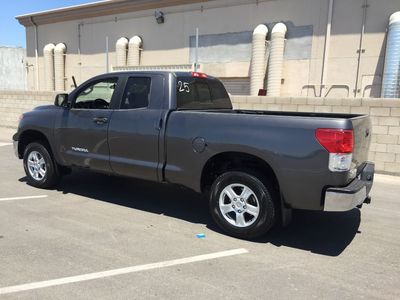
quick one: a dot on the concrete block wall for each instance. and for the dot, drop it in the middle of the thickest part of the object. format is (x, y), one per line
(384, 113)
(14, 103)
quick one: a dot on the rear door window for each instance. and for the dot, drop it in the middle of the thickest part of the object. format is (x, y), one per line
(137, 93)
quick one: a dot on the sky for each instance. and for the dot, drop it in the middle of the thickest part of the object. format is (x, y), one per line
(11, 32)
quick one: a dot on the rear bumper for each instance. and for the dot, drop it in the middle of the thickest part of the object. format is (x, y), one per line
(353, 195)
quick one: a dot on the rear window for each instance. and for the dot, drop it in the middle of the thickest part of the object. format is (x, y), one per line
(201, 93)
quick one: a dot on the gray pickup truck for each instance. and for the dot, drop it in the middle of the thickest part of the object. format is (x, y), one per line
(255, 167)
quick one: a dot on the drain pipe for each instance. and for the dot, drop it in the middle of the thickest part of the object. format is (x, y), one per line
(59, 66)
(79, 50)
(276, 60)
(107, 57)
(391, 73)
(360, 50)
(258, 63)
(48, 55)
(326, 49)
(36, 53)
(134, 51)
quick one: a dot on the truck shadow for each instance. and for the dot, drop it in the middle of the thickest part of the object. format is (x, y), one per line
(323, 233)
(318, 232)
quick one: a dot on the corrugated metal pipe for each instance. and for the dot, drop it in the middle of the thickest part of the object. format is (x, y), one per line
(391, 73)
(59, 66)
(48, 55)
(275, 65)
(121, 49)
(134, 51)
(258, 63)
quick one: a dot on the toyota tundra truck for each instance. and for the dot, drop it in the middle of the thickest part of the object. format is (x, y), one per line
(254, 167)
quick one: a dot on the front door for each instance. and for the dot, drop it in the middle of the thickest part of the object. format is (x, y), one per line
(81, 131)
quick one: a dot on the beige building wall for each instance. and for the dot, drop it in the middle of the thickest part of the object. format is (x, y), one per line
(169, 43)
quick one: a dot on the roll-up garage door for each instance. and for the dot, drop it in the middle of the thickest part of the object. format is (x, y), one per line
(237, 86)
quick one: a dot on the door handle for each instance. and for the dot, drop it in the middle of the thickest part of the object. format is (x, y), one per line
(159, 125)
(100, 120)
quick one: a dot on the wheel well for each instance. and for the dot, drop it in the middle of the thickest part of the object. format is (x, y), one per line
(30, 136)
(236, 161)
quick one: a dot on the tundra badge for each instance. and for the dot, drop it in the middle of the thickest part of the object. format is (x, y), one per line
(77, 149)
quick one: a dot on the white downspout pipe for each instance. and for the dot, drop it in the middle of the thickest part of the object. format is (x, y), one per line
(107, 57)
(48, 55)
(59, 66)
(121, 48)
(79, 50)
(326, 48)
(276, 59)
(134, 51)
(360, 49)
(36, 54)
(258, 63)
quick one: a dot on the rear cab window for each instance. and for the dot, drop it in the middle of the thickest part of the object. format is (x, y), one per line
(201, 93)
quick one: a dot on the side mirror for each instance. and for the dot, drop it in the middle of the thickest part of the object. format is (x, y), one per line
(62, 101)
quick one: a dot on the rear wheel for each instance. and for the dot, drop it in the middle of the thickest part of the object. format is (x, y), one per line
(242, 205)
(40, 167)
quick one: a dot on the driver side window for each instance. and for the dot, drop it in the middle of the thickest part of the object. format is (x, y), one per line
(97, 95)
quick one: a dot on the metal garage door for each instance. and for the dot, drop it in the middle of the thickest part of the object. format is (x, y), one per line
(237, 86)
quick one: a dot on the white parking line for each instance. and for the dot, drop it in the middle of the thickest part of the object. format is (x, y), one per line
(22, 198)
(5, 144)
(115, 272)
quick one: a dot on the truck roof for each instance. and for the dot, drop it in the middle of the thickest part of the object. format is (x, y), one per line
(177, 74)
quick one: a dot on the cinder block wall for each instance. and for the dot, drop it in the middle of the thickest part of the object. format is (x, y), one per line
(385, 116)
(14, 103)
(384, 113)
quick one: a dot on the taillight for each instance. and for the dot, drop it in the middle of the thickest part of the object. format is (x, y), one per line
(336, 140)
(199, 75)
(339, 143)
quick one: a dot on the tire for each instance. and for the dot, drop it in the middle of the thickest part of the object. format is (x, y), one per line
(40, 168)
(247, 213)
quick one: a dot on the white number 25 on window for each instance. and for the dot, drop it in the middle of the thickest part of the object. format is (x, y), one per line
(183, 87)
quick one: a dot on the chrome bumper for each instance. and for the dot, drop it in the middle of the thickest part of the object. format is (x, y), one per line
(353, 195)
(15, 144)
(335, 201)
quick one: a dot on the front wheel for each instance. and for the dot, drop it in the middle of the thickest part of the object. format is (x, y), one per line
(40, 167)
(242, 205)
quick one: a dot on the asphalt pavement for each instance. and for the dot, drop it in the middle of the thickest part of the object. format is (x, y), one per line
(102, 237)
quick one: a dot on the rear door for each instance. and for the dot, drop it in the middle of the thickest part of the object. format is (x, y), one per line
(81, 131)
(134, 129)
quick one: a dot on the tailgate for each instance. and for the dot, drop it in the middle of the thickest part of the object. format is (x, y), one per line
(362, 139)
